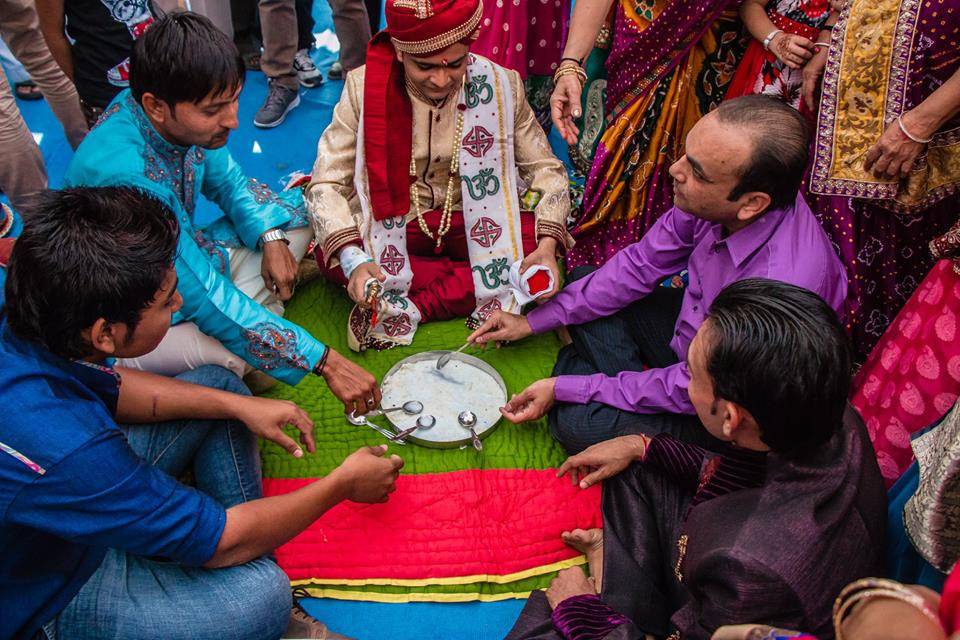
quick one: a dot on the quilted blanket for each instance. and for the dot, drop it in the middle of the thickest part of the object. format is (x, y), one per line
(463, 525)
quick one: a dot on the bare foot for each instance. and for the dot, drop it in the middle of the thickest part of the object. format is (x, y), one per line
(590, 543)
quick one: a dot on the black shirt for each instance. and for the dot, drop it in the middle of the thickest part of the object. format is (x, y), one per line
(102, 34)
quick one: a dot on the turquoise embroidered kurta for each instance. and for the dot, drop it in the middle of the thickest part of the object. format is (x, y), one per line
(125, 150)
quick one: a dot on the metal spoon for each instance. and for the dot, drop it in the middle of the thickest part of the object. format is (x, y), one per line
(445, 358)
(468, 420)
(361, 421)
(423, 422)
(410, 407)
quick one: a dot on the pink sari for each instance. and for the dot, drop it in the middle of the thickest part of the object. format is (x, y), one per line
(912, 377)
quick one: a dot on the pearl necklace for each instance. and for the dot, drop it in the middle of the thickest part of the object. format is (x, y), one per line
(447, 212)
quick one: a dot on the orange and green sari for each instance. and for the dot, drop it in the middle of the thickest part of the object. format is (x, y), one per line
(670, 63)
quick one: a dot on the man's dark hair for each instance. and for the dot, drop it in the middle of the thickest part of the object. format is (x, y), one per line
(780, 352)
(85, 254)
(183, 57)
(781, 141)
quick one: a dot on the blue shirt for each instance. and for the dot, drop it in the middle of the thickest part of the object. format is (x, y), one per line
(125, 150)
(71, 487)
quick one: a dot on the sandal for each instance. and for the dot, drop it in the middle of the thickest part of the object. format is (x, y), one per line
(27, 90)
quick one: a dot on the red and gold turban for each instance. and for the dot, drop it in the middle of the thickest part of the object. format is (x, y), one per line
(420, 28)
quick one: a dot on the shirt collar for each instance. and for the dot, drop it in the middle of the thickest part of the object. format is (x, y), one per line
(101, 379)
(744, 243)
(152, 136)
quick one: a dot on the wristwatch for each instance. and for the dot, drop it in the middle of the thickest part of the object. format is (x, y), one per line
(273, 234)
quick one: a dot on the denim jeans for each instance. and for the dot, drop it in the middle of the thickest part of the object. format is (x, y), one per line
(136, 597)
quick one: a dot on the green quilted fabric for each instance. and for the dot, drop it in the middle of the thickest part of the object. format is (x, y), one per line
(322, 308)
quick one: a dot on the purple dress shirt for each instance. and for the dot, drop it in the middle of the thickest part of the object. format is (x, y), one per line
(783, 244)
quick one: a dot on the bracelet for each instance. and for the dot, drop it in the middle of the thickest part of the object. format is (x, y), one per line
(910, 135)
(322, 363)
(869, 589)
(817, 45)
(579, 61)
(770, 37)
(570, 70)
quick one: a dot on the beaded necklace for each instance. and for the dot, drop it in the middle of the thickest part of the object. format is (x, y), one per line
(447, 212)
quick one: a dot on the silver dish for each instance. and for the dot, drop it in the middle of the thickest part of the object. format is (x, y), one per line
(442, 395)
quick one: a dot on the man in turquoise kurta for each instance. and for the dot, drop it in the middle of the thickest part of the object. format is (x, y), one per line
(166, 136)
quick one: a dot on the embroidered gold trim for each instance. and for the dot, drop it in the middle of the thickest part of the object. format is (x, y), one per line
(423, 9)
(555, 230)
(846, 129)
(338, 240)
(515, 243)
(681, 554)
(442, 41)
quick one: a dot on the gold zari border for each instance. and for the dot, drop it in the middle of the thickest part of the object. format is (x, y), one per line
(442, 41)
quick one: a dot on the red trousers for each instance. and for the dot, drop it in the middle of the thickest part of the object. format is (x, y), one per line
(442, 286)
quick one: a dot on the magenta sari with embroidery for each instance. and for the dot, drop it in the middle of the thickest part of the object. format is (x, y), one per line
(882, 228)
(670, 62)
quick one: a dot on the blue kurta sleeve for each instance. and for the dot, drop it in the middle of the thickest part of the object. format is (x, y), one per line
(250, 206)
(263, 339)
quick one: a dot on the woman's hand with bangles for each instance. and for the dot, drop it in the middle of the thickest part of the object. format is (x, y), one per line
(565, 106)
(791, 49)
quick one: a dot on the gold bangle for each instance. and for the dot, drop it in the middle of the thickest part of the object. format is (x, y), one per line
(869, 589)
(570, 70)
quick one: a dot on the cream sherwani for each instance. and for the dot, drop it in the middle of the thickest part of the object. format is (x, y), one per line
(332, 199)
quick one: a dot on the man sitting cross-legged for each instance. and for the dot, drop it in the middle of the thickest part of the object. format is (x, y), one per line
(769, 528)
(417, 178)
(737, 215)
(99, 539)
(166, 135)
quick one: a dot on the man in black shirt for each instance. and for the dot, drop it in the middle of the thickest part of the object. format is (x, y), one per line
(97, 54)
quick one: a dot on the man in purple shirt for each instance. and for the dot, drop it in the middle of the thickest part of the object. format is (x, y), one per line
(737, 214)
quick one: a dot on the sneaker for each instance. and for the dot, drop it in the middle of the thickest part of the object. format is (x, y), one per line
(336, 71)
(307, 72)
(303, 625)
(280, 101)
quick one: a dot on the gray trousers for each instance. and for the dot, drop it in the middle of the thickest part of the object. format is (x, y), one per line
(278, 25)
(22, 172)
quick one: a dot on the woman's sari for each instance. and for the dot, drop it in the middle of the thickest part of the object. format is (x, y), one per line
(669, 63)
(761, 73)
(522, 35)
(885, 58)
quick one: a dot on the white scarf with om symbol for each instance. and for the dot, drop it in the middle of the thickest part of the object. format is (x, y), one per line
(491, 209)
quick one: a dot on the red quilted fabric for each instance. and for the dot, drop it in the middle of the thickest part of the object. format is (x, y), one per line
(464, 523)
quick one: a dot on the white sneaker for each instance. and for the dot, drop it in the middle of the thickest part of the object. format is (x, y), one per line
(307, 71)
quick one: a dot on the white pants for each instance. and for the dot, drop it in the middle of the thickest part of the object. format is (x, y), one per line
(185, 347)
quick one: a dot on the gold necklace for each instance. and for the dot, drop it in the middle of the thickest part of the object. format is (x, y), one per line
(447, 212)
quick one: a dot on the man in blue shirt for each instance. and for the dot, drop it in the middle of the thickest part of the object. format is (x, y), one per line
(99, 540)
(166, 135)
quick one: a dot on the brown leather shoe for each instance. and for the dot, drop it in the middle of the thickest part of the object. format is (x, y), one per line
(303, 625)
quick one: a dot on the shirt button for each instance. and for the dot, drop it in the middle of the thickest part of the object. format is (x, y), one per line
(696, 307)
(676, 333)
(437, 159)
(430, 175)
(438, 117)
